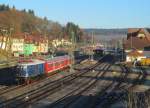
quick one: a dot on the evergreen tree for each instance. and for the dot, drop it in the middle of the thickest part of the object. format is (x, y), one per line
(24, 10)
(72, 28)
(31, 12)
(4, 8)
(14, 7)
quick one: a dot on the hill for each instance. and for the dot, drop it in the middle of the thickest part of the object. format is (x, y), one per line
(23, 21)
(106, 31)
(107, 34)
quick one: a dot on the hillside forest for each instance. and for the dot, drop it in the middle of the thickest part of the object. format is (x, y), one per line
(25, 21)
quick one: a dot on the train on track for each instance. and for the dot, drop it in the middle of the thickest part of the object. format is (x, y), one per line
(28, 70)
(99, 52)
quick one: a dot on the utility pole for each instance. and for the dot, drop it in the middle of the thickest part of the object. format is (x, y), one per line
(122, 49)
(73, 40)
(131, 42)
(10, 39)
(92, 47)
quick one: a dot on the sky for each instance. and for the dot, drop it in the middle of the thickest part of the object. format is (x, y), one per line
(90, 13)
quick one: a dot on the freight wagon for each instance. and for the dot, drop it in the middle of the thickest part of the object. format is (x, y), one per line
(29, 70)
(145, 62)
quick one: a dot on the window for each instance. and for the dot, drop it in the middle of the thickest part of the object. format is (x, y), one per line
(62, 62)
(50, 65)
(141, 36)
(56, 64)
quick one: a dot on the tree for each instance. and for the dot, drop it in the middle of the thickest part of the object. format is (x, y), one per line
(31, 12)
(26, 21)
(56, 30)
(71, 27)
(45, 18)
(14, 7)
(4, 8)
(24, 10)
(7, 8)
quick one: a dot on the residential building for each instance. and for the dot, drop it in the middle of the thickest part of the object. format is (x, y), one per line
(137, 40)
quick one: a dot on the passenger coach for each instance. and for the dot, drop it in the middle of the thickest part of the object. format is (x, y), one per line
(57, 63)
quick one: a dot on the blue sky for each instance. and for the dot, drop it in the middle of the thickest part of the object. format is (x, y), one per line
(90, 13)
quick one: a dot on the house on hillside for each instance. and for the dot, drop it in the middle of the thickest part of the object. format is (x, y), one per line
(25, 44)
(17, 46)
(136, 42)
(14, 44)
(43, 44)
(35, 44)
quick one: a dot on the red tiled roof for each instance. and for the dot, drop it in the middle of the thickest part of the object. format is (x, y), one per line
(132, 30)
(18, 36)
(31, 38)
(35, 38)
(137, 43)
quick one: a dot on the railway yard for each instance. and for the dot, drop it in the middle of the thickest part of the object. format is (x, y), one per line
(74, 54)
(100, 84)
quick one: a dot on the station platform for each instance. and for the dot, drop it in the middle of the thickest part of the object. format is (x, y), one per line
(8, 64)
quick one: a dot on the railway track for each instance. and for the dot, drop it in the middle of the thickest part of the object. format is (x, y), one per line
(112, 97)
(47, 87)
(11, 88)
(107, 97)
(77, 93)
(140, 79)
(3, 87)
(7, 89)
(47, 92)
(74, 96)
